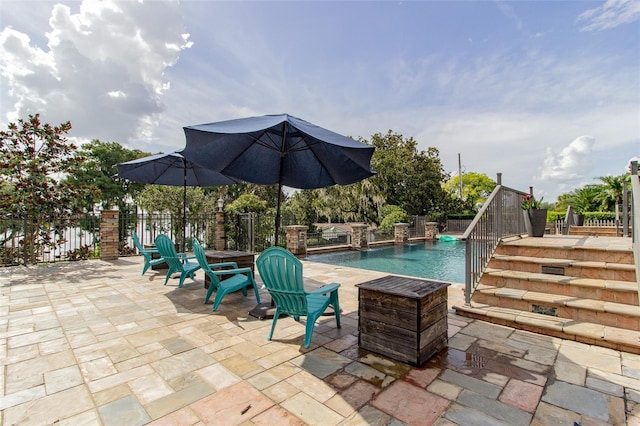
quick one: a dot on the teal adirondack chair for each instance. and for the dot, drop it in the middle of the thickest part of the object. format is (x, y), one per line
(281, 273)
(242, 277)
(146, 253)
(178, 262)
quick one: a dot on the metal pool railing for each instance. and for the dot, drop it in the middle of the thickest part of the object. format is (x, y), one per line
(635, 218)
(500, 216)
(328, 238)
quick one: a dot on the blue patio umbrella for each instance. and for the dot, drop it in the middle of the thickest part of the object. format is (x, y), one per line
(278, 149)
(172, 169)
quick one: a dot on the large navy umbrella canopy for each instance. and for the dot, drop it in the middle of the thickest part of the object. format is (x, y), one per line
(279, 149)
(171, 169)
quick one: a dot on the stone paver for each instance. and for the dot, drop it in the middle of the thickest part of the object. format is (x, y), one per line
(125, 411)
(583, 401)
(96, 343)
(522, 395)
(321, 362)
(231, 406)
(411, 404)
(503, 412)
(311, 411)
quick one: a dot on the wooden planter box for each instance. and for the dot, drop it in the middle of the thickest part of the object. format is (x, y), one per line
(156, 255)
(243, 259)
(403, 318)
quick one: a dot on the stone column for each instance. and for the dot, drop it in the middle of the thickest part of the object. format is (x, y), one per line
(401, 233)
(297, 240)
(220, 237)
(359, 236)
(109, 235)
(430, 230)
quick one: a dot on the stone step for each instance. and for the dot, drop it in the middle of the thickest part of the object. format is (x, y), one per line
(565, 328)
(606, 254)
(620, 315)
(566, 267)
(591, 288)
(602, 231)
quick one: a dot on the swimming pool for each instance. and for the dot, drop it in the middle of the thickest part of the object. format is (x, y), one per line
(430, 259)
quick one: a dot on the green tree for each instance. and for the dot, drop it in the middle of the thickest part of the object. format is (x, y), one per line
(358, 202)
(611, 191)
(170, 199)
(300, 206)
(407, 177)
(268, 193)
(476, 188)
(247, 203)
(33, 157)
(585, 199)
(392, 215)
(100, 171)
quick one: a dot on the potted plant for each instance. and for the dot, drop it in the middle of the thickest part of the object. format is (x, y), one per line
(535, 217)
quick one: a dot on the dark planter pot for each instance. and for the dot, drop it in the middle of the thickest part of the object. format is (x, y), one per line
(535, 221)
(578, 219)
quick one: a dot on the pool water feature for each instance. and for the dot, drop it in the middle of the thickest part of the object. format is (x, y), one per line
(440, 260)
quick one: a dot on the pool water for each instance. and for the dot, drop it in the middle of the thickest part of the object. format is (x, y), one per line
(438, 260)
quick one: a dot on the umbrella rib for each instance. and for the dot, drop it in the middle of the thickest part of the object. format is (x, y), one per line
(274, 143)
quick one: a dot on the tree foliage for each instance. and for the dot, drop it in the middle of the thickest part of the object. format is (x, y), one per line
(358, 202)
(100, 170)
(170, 199)
(611, 190)
(407, 177)
(595, 197)
(33, 158)
(268, 193)
(247, 203)
(392, 215)
(476, 188)
(300, 206)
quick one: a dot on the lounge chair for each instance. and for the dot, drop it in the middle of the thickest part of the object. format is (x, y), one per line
(178, 262)
(281, 273)
(239, 280)
(146, 253)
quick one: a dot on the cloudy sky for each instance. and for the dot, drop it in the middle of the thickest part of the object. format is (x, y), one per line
(548, 93)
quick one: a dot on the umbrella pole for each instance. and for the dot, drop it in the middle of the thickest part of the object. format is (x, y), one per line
(184, 207)
(282, 154)
(278, 213)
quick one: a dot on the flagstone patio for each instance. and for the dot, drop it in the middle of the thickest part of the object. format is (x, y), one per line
(94, 342)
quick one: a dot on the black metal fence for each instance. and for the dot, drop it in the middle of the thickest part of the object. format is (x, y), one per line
(328, 237)
(246, 232)
(417, 226)
(149, 225)
(23, 242)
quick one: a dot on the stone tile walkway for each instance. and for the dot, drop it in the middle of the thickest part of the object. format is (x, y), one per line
(95, 343)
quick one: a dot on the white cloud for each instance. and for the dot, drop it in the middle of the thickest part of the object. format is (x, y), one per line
(610, 15)
(571, 167)
(103, 69)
